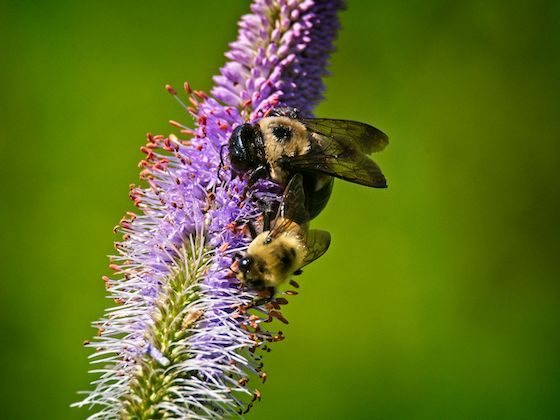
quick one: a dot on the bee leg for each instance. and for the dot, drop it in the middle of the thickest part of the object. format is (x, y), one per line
(265, 299)
(234, 174)
(272, 291)
(221, 166)
(259, 172)
(267, 216)
(261, 298)
(260, 301)
(269, 208)
(252, 229)
(256, 174)
(250, 226)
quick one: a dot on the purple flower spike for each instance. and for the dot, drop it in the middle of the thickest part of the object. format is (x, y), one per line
(280, 56)
(185, 336)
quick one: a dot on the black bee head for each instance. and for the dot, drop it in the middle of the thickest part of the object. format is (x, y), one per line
(243, 147)
(245, 264)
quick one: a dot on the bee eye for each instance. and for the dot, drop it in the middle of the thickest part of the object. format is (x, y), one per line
(282, 133)
(245, 264)
(239, 144)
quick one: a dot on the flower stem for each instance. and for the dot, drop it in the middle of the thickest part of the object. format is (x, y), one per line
(174, 315)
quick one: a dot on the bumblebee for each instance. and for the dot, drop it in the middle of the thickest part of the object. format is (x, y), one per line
(276, 254)
(283, 143)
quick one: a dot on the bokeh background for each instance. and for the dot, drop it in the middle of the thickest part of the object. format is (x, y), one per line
(439, 297)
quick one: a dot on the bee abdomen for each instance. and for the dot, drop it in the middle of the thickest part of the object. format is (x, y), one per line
(318, 189)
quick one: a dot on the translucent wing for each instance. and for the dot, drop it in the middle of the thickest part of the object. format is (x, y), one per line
(317, 243)
(339, 158)
(362, 137)
(292, 214)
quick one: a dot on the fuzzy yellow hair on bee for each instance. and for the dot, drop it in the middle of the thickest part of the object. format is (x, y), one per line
(275, 255)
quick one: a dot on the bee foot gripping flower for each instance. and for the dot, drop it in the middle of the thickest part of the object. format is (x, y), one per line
(185, 340)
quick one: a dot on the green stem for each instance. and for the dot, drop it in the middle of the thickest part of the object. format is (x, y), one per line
(172, 323)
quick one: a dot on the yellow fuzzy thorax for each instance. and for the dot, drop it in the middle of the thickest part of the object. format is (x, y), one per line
(297, 145)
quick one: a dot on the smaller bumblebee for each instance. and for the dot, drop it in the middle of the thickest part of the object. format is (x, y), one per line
(283, 143)
(275, 255)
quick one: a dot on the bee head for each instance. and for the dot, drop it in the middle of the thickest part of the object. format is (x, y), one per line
(245, 264)
(243, 147)
(249, 273)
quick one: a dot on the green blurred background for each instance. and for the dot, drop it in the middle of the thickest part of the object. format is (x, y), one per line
(439, 297)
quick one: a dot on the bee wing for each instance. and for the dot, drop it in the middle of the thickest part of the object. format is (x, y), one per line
(292, 212)
(362, 137)
(317, 243)
(340, 158)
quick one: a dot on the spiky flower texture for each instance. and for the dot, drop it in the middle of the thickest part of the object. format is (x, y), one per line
(184, 340)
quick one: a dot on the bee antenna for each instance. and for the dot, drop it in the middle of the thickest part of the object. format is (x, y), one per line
(221, 160)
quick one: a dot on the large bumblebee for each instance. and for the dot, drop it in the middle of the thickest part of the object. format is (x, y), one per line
(276, 254)
(282, 144)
